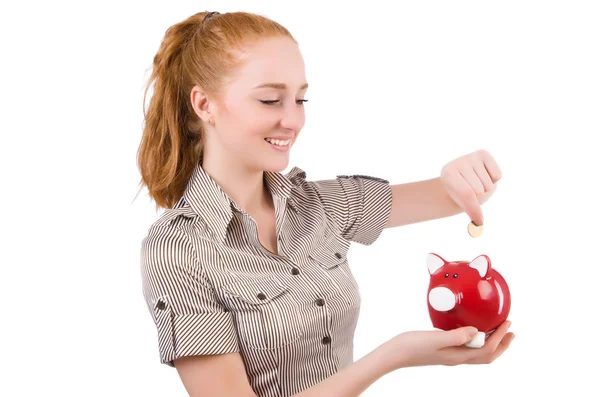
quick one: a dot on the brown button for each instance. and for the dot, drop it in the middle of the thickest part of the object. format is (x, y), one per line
(261, 296)
(160, 305)
(320, 302)
(326, 340)
(338, 255)
(295, 271)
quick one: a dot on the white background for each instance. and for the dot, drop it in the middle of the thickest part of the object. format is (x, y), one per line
(397, 89)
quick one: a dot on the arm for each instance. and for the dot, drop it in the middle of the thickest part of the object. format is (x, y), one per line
(353, 380)
(464, 185)
(224, 376)
(420, 201)
(359, 205)
(196, 333)
(214, 375)
(412, 349)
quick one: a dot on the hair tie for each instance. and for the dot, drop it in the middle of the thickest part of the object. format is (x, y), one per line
(210, 14)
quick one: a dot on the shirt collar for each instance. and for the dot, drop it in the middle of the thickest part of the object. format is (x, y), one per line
(207, 199)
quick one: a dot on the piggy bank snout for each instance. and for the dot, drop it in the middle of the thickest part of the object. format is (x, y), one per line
(442, 299)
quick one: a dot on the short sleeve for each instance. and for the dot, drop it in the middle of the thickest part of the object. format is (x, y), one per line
(360, 205)
(188, 317)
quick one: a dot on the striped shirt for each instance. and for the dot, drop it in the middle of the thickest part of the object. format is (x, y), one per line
(212, 288)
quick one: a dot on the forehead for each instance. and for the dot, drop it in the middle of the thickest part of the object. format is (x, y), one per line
(273, 60)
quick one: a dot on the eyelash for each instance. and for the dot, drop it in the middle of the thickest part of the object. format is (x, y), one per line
(275, 101)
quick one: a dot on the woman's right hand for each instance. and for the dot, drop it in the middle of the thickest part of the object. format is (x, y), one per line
(437, 347)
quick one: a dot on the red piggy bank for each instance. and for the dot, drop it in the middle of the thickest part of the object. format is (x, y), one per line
(464, 293)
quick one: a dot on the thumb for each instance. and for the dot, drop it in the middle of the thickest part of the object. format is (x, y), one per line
(460, 336)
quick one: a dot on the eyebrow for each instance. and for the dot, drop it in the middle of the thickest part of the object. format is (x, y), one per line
(278, 86)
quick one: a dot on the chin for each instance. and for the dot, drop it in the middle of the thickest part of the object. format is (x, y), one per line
(274, 161)
(276, 166)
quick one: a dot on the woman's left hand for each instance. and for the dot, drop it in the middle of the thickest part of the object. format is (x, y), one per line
(470, 180)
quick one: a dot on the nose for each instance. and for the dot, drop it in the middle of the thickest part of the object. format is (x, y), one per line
(293, 118)
(442, 299)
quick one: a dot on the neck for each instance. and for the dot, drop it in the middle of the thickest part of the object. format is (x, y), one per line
(245, 186)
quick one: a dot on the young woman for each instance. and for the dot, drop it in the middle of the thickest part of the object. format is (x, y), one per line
(245, 273)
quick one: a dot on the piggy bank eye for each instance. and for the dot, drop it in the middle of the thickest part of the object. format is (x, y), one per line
(455, 275)
(446, 275)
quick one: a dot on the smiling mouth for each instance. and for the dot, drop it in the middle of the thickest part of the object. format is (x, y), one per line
(278, 142)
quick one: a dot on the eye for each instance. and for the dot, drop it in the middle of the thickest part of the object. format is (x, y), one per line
(455, 275)
(446, 275)
(271, 102)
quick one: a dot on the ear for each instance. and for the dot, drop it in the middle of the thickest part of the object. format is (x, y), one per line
(434, 262)
(482, 264)
(200, 103)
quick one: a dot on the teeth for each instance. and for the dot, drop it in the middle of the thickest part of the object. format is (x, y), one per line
(278, 142)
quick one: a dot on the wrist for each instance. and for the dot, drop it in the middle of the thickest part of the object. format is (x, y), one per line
(388, 359)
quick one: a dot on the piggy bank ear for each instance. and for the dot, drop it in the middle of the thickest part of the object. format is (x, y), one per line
(434, 262)
(482, 264)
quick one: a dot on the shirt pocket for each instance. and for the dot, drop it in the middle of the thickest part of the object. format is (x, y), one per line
(331, 255)
(266, 312)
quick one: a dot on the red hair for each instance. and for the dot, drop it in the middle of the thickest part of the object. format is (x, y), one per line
(191, 53)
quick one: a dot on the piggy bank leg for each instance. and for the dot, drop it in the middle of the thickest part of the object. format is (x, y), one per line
(478, 341)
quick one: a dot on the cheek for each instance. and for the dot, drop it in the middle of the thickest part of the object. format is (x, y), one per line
(248, 119)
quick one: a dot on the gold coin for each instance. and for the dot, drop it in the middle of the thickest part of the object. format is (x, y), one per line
(474, 230)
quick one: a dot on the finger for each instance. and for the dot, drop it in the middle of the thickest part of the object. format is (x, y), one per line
(492, 167)
(473, 179)
(464, 353)
(496, 337)
(484, 177)
(503, 346)
(491, 357)
(469, 198)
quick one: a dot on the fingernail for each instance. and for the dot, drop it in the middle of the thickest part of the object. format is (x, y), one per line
(509, 324)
